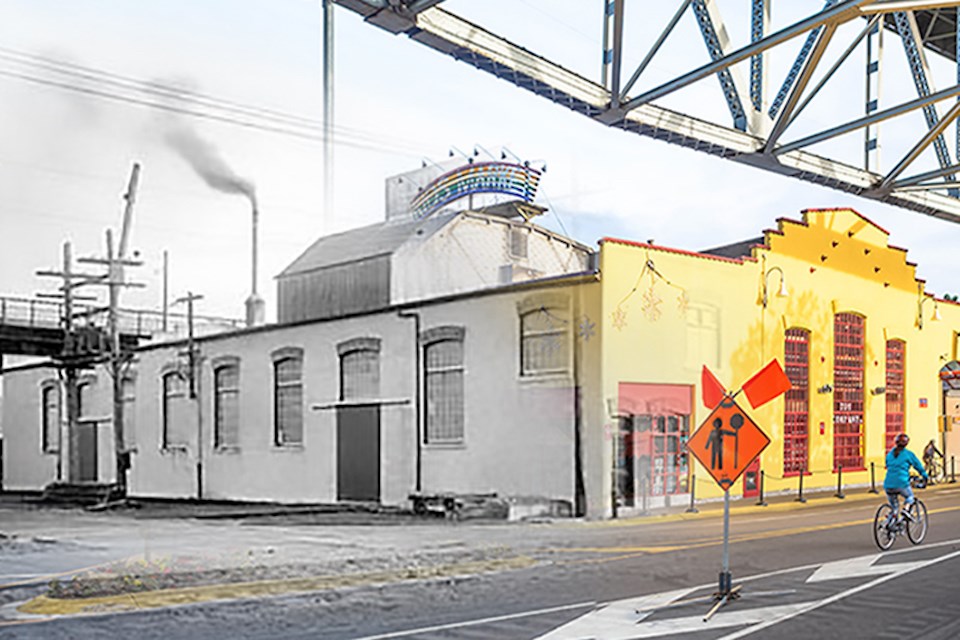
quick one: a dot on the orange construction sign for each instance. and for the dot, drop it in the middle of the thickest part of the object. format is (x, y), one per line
(727, 442)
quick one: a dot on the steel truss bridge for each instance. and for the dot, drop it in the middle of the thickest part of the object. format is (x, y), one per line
(765, 129)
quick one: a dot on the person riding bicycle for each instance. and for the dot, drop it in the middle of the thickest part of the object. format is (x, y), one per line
(930, 453)
(897, 481)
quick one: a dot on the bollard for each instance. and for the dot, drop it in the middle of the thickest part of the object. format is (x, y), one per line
(953, 477)
(644, 504)
(761, 502)
(693, 494)
(839, 493)
(800, 497)
(873, 483)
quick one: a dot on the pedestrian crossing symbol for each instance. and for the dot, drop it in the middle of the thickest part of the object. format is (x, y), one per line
(727, 442)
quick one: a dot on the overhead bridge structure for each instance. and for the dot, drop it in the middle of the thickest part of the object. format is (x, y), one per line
(765, 129)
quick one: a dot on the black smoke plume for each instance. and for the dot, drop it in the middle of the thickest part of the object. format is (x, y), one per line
(206, 160)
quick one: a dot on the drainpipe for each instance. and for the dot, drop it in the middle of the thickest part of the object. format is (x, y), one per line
(579, 491)
(416, 403)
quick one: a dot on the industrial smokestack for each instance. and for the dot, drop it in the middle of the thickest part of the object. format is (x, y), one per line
(206, 160)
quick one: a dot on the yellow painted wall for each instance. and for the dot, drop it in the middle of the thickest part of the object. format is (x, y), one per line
(707, 310)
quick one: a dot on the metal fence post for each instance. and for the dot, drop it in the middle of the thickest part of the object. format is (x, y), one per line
(644, 497)
(761, 502)
(953, 476)
(839, 493)
(873, 483)
(693, 494)
(800, 497)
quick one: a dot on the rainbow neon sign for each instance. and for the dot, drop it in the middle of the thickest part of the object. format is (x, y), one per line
(481, 177)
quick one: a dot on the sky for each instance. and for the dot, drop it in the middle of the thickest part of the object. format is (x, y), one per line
(69, 136)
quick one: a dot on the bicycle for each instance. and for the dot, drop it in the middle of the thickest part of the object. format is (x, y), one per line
(888, 524)
(936, 469)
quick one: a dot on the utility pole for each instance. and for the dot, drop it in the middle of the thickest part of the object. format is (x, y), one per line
(192, 362)
(116, 357)
(69, 358)
(191, 353)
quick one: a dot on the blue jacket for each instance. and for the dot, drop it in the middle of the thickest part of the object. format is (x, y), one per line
(898, 469)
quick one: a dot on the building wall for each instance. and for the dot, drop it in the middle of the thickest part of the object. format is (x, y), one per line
(470, 253)
(334, 291)
(519, 433)
(833, 261)
(27, 467)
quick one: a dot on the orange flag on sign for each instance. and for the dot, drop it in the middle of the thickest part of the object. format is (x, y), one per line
(711, 389)
(766, 384)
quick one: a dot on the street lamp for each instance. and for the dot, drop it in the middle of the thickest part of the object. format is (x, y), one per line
(783, 292)
(936, 311)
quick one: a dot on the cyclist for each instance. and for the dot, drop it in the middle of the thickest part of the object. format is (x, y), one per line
(930, 453)
(897, 481)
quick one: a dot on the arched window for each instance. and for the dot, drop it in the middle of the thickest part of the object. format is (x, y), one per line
(128, 398)
(796, 408)
(50, 416)
(226, 404)
(848, 342)
(359, 369)
(288, 397)
(443, 384)
(175, 424)
(896, 359)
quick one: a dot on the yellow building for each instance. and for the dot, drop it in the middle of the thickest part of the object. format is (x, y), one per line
(840, 308)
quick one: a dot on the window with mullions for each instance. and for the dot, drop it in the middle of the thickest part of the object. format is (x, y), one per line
(128, 407)
(50, 417)
(359, 369)
(175, 411)
(796, 408)
(288, 397)
(896, 356)
(443, 385)
(545, 341)
(226, 406)
(848, 340)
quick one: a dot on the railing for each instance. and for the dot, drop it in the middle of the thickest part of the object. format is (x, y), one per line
(48, 314)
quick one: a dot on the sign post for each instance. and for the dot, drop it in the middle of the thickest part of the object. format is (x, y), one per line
(727, 442)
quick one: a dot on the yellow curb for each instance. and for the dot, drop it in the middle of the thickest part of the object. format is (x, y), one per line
(44, 605)
(816, 499)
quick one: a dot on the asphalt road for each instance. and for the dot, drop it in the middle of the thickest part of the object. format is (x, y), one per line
(805, 572)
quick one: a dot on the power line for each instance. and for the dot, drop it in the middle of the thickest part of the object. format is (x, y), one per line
(128, 83)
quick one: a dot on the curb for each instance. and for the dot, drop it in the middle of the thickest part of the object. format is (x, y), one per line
(132, 601)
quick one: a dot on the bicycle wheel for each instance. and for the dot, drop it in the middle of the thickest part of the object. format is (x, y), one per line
(917, 525)
(883, 534)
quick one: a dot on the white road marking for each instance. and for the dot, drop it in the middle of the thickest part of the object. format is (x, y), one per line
(473, 623)
(610, 620)
(839, 596)
(860, 567)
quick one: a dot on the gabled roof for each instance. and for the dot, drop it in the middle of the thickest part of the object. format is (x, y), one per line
(382, 238)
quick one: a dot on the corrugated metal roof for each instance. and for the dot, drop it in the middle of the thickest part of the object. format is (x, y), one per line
(358, 244)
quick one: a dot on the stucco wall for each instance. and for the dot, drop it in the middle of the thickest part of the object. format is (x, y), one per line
(833, 262)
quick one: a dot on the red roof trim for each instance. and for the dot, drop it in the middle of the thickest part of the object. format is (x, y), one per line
(682, 252)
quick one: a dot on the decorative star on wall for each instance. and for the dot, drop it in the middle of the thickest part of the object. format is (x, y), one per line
(683, 303)
(586, 328)
(619, 319)
(651, 304)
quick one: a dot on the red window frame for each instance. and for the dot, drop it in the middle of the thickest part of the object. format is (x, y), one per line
(848, 375)
(895, 384)
(796, 408)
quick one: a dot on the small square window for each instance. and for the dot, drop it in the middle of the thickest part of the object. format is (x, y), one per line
(518, 243)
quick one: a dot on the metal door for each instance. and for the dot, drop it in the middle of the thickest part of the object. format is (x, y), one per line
(87, 451)
(358, 453)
